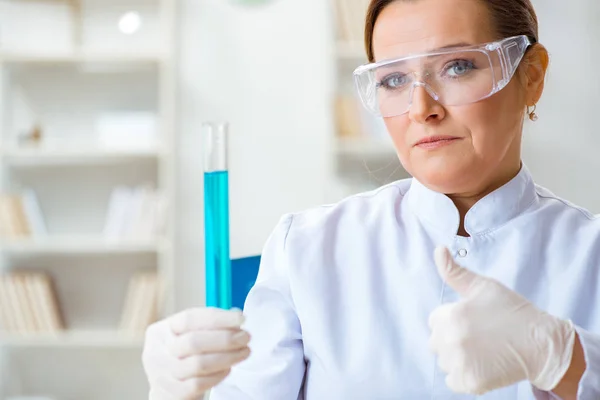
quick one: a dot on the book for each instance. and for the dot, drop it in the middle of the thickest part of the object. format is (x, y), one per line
(117, 212)
(25, 303)
(136, 213)
(139, 221)
(28, 304)
(131, 299)
(33, 213)
(37, 302)
(8, 217)
(49, 303)
(21, 216)
(8, 322)
(15, 303)
(140, 308)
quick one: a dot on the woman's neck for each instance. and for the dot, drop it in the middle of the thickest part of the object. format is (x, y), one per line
(464, 201)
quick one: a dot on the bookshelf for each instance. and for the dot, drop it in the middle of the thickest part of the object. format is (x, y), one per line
(75, 340)
(363, 154)
(78, 245)
(44, 158)
(87, 188)
(78, 58)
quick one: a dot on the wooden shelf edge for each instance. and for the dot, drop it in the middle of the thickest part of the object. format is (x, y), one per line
(92, 339)
(33, 157)
(79, 58)
(79, 245)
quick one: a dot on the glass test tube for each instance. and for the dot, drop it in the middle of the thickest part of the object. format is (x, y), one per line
(216, 216)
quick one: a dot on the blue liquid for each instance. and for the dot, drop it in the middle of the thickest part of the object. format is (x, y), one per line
(216, 231)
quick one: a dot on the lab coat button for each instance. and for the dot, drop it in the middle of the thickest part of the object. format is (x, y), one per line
(462, 253)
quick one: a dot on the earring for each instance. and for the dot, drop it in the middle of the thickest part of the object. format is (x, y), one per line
(532, 115)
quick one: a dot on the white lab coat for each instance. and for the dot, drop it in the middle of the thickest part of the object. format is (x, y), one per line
(340, 307)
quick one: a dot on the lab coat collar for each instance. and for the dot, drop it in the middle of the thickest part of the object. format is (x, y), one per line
(489, 213)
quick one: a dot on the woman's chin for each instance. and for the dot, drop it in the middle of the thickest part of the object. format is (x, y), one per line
(447, 179)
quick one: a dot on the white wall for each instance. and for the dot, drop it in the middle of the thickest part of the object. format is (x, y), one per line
(562, 148)
(270, 71)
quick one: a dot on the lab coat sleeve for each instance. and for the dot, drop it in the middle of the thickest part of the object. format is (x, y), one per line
(589, 387)
(275, 369)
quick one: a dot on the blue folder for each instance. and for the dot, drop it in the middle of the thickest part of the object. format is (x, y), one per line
(243, 276)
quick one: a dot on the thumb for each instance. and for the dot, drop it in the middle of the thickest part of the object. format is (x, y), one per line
(458, 278)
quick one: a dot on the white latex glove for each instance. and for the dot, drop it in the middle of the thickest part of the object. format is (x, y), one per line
(189, 353)
(493, 337)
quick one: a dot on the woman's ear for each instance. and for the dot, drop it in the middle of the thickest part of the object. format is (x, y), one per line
(535, 65)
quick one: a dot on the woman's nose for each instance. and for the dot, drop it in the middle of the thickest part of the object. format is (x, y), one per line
(424, 106)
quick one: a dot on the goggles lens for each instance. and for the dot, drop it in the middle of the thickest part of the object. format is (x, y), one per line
(452, 78)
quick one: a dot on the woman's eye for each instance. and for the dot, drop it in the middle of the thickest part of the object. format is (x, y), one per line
(394, 81)
(459, 68)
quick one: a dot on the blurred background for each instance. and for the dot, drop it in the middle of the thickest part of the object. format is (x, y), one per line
(101, 167)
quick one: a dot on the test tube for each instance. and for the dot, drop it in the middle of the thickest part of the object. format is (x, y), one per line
(216, 216)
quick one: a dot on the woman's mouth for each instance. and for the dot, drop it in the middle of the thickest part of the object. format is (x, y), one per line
(435, 142)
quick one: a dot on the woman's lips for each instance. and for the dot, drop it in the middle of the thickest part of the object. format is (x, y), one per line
(435, 142)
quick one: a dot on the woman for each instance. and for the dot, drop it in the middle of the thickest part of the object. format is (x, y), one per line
(352, 303)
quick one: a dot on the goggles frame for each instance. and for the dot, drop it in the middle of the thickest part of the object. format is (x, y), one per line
(510, 52)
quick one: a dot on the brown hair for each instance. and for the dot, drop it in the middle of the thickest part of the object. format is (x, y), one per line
(511, 17)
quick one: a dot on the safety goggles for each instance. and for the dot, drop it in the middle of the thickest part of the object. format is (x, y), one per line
(455, 76)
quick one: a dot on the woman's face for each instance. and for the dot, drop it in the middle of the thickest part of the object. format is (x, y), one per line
(488, 132)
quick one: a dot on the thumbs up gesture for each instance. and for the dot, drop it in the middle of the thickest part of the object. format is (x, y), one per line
(493, 337)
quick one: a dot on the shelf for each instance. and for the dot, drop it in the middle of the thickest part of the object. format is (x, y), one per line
(80, 58)
(39, 157)
(75, 78)
(73, 339)
(75, 245)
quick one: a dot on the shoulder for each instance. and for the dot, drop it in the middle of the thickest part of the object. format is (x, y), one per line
(569, 216)
(358, 207)
(552, 202)
(351, 213)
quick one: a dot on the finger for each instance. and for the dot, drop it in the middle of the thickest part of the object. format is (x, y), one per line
(449, 360)
(458, 278)
(464, 382)
(158, 332)
(199, 386)
(203, 342)
(205, 318)
(208, 364)
(438, 321)
(174, 389)
(158, 367)
(155, 367)
(441, 315)
(454, 336)
(454, 383)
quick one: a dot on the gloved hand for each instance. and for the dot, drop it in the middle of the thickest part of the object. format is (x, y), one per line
(189, 353)
(493, 337)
